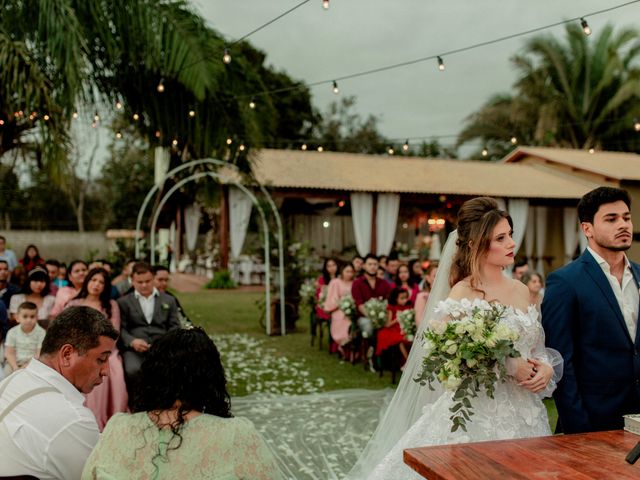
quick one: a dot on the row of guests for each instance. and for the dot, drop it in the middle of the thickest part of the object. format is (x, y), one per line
(182, 425)
(362, 279)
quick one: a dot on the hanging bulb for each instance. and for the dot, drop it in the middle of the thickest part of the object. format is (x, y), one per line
(160, 86)
(118, 106)
(440, 64)
(336, 90)
(1, 122)
(592, 150)
(229, 141)
(585, 27)
(320, 149)
(226, 57)
(636, 125)
(94, 124)
(405, 147)
(303, 147)
(96, 117)
(157, 133)
(118, 135)
(252, 104)
(192, 113)
(390, 151)
(325, 4)
(174, 142)
(241, 147)
(74, 114)
(45, 117)
(514, 140)
(136, 117)
(485, 152)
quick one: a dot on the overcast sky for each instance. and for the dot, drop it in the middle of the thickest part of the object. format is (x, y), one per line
(312, 44)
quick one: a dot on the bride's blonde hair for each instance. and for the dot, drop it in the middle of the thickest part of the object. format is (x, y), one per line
(476, 220)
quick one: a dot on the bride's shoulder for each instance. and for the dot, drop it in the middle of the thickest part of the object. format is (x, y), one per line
(520, 293)
(461, 290)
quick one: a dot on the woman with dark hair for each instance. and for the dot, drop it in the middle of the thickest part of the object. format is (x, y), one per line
(329, 272)
(76, 273)
(415, 268)
(423, 296)
(416, 416)
(110, 397)
(35, 290)
(340, 287)
(182, 426)
(404, 279)
(31, 258)
(535, 284)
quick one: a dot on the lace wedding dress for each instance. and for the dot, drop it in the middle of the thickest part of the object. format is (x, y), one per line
(514, 412)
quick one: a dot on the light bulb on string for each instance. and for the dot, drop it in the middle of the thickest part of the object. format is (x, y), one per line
(242, 147)
(118, 106)
(96, 117)
(252, 104)
(592, 150)
(636, 125)
(325, 4)
(336, 90)
(157, 133)
(390, 151)
(1, 122)
(320, 149)
(118, 135)
(485, 152)
(229, 141)
(160, 86)
(405, 147)
(585, 27)
(94, 124)
(74, 115)
(136, 117)
(46, 117)
(303, 147)
(192, 113)
(226, 56)
(514, 140)
(174, 142)
(440, 64)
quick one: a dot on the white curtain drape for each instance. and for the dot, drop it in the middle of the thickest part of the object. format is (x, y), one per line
(582, 240)
(239, 215)
(519, 211)
(361, 213)
(541, 237)
(192, 216)
(161, 159)
(436, 247)
(530, 235)
(386, 221)
(570, 228)
(502, 204)
(172, 244)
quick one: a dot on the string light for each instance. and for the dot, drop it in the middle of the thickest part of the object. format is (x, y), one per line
(174, 142)
(229, 141)
(118, 135)
(1, 122)
(160, 86)
(325, 4)
(157, 134)
(390, 151)
(336, 90)
(94, 124)
(46, 117)
(241, 147)
(440, 64)
(514, 140)
(485, 152)
(192, 113)
(74, 115)
(96, 117)
(303, 147)
(592, 150)
(136, 117)
(636, 125)
(405, 147)
(585, 27)
(320, 149)
(118, 106)
(226, 56)
(252, 104)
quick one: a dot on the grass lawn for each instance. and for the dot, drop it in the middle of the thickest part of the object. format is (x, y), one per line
(279, 364)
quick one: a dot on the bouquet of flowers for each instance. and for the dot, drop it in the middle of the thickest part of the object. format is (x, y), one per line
(376, 310)
(348, 306)
(308, 292)
(467, 353)
(407, 321)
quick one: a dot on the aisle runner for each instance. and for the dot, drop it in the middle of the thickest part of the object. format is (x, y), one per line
(316, 436)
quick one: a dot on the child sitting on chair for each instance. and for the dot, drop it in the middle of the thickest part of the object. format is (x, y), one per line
(24, 340)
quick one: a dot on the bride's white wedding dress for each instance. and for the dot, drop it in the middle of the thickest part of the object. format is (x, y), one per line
(514, 412)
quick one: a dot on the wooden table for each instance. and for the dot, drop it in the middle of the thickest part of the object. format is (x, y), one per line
(598, 455)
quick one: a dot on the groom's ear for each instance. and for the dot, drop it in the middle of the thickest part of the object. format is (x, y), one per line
(587, 229)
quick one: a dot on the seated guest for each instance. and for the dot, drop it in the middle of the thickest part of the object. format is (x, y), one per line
(123, 281)
(7, 289)
(31, 258)
(329, 272)
(35, 290)
(18, 276)
(61, 279)
(183, 427)
(339, 288)
(77, 271)
(161, 279)
(391, 267)
(535, 284)
(52, 267)
(423, 296)
(106, 266)
(146, 315)
(7, 255)
(49, 434)
(110, 397)
(391, 334)
(403, 279)
(366, 287)
(415, 267)
(24, 340)
(357, 261)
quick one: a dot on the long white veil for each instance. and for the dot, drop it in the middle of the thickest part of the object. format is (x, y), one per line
(410, 397)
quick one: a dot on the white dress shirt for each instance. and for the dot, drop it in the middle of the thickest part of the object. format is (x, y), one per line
(50, 435)
(147, 304)
(626, 294)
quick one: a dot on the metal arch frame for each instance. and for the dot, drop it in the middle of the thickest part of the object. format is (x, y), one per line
(274, 210)
(265, 227)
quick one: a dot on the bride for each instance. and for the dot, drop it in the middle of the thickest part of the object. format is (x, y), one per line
(472, 263)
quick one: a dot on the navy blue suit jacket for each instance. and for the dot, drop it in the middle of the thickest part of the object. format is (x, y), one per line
(583, 321)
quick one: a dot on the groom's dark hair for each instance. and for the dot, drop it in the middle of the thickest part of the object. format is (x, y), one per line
(591, 201)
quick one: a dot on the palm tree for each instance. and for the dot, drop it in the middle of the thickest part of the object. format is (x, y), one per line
(582, 93)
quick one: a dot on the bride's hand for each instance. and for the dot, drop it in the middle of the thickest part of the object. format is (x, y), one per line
(540, 380)
(520, 369)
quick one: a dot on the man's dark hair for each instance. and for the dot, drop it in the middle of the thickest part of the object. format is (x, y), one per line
(592, 201)
(160, 268)
(3, 239)
(140, 268)
(392, 256)
(382, 257)
(370, 255)
(356, 256)
(80, 327)
(520, 263)
(53, 262)
(5, 262)
(27, 306)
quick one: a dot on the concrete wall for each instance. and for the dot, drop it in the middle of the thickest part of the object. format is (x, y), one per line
(60, 245)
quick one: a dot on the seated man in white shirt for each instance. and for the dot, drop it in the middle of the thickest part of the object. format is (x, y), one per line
(45, 429)
(146, 314)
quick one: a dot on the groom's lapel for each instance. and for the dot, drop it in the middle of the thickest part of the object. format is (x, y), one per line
(597, 275)
(635, 269)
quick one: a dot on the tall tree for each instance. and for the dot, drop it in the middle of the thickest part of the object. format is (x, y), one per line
(580, 93)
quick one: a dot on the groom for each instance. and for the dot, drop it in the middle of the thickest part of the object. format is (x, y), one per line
(590, 314)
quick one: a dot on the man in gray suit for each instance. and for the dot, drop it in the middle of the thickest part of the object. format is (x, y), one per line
(146, 314)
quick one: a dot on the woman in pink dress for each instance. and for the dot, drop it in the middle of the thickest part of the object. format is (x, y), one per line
(77, 272)
(338, 288)
(423, 296)
(110, 397)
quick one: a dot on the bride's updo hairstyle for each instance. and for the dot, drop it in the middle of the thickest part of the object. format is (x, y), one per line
(476, 220)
